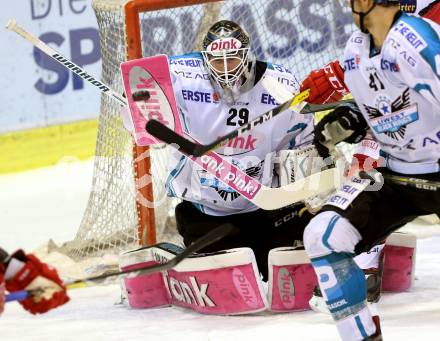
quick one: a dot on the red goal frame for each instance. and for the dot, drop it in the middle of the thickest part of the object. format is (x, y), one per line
(146, 216)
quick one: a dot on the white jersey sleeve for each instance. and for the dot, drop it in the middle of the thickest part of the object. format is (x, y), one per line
(418, 56)
(206, 116)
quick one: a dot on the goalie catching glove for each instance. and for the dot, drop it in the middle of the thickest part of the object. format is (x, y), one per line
(326, 85)
(344, 124)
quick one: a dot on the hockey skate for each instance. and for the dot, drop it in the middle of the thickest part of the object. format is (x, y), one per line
(377, 336)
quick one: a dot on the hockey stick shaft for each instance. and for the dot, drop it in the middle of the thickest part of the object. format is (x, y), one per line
(312, 108)
(208, 239)
(13, 26)
(17, 296)
(167, 135)
(189, 147)
(429, 185)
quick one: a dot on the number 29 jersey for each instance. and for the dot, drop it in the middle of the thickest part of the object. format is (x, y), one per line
(207, 114)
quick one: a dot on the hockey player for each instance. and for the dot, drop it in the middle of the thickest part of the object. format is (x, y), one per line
(22, 271)
(327, 84)
(217, 91)
(390, 68)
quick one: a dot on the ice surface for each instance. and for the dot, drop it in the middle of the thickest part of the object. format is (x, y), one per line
(48, 203)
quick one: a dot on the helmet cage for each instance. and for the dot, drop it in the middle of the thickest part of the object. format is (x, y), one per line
(224, 75)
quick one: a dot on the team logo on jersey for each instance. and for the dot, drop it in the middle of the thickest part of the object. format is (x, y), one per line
(292, 82)
(224, 191)
(201, 96)
(216, 97)
(190, 62)
(192, 75)
(352, 63)
(268, 99)
(411, 35)
(388, 65)
(357, 40)
(238, 145)
(278, 68)
(392, 117)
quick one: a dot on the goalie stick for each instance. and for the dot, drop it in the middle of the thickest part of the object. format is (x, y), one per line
(187, 146)
(236, 179)
(207, 239)
(265, 197)
(137, 96)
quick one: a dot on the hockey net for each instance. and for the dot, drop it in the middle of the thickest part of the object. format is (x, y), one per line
(128, 204)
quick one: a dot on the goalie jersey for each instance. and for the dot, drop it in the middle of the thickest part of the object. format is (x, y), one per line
(207, 114)
(398, 91)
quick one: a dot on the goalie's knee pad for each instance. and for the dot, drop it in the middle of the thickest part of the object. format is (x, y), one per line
(291, 280)
(221, 283)
(329, 232)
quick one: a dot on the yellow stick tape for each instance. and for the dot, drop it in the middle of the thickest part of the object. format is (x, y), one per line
(302, 96)
(319, 115)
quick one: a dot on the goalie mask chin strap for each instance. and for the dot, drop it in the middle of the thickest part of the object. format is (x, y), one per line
(362, 16)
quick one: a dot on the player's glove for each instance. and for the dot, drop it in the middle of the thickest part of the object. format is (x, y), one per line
(48, 291)
(345, 123)
(326, 84)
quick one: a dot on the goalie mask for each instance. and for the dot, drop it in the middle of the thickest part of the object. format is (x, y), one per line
(226, 54)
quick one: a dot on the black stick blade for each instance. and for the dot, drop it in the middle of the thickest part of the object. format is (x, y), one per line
(167, 135)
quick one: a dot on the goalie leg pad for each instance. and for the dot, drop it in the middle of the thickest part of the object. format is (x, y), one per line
(144, 291)
(291, 280)
(221, 283)
(399, 264)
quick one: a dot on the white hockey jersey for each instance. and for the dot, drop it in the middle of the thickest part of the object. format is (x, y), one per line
(398, 92)
(206, 117)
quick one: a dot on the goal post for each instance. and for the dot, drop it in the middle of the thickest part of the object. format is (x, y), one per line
(128, 204)
(147, 225)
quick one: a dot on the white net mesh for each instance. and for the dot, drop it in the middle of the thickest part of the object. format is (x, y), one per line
(299, 34)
